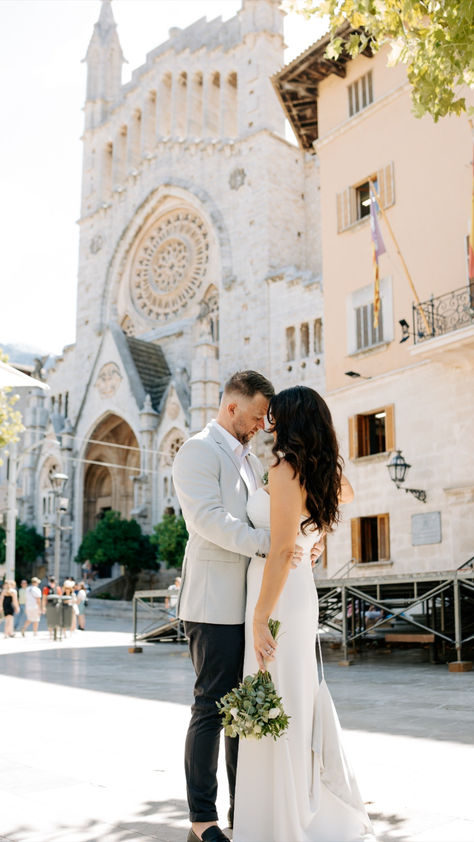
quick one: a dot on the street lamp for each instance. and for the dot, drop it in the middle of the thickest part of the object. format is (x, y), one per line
(397, 468)
(58, 481)
(14, 460)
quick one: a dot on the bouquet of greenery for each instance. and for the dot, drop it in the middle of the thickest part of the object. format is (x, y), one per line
(254, 709)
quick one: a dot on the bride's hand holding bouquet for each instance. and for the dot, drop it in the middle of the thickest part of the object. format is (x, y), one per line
(254, 709)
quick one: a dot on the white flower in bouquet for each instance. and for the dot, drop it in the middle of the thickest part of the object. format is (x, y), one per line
(253, 709)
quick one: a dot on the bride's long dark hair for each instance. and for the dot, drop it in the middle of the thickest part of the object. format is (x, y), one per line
(306, 439)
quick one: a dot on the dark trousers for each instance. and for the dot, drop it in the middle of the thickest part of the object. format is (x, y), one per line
(217, 653)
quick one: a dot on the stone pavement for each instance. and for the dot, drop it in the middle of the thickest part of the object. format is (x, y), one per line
(92, 740)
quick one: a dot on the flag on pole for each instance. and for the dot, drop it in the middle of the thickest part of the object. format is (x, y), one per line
(378, 248)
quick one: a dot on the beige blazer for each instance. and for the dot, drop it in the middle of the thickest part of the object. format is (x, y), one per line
(213, 493)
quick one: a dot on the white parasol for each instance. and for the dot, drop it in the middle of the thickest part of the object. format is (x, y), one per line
(10, 376)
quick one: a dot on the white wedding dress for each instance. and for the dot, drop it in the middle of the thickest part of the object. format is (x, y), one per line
(299, 788)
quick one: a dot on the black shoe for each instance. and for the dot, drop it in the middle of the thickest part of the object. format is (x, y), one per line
(230, 818)
(212, 834)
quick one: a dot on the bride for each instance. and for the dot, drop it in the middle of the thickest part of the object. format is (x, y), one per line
(301, 787)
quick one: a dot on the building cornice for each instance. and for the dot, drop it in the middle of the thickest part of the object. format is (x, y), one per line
(361, 117)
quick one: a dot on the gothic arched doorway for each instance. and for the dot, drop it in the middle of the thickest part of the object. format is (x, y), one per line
(112, 460)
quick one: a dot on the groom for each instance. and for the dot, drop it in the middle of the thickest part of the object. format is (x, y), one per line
(213, 474)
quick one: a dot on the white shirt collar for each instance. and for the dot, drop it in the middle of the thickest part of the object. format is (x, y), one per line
(235, 445)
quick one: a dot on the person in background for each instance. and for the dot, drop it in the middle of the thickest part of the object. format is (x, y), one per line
(21, 616)
(9, 605)
(86, 570)
(172, 600)
(68, 591)
(32, 606)
(81, 596)
(51, 589)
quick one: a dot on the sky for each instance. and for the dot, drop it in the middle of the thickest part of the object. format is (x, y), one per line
(42, 44)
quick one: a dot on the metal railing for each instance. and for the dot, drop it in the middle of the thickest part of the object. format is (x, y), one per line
(444, 314)
(161, 618)
(396, 596)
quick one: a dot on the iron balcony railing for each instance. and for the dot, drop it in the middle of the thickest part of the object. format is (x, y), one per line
(446, 313)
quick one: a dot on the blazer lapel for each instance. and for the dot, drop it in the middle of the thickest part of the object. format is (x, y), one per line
(225, 448)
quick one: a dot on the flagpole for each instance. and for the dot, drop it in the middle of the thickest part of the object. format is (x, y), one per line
(410, 281)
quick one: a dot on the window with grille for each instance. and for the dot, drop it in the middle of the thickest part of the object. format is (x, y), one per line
(370, 538)
(372, 432)
(366, 334)
(360, 94)
(362, 336)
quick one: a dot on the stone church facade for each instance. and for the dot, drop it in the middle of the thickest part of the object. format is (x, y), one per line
(199, 255)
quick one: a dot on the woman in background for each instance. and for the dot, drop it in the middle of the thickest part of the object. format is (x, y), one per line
(9, 605)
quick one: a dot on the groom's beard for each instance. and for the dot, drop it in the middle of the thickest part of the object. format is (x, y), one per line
(244, 438)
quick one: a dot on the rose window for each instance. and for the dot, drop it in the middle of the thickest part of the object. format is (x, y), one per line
(170, 264)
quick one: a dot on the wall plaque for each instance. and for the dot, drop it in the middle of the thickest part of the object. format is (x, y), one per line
(426, 529)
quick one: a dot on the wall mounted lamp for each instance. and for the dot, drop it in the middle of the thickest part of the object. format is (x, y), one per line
(405, 330)
(356, 374)
(397, 468)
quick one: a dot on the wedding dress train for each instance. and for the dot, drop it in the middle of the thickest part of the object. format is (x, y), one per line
(300, 788)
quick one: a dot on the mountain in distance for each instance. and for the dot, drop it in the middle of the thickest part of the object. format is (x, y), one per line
(22, 354)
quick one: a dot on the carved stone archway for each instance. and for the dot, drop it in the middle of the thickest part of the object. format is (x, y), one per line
(168, 450)
(112, 459)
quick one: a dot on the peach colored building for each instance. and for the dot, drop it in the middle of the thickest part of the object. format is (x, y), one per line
(417, 395)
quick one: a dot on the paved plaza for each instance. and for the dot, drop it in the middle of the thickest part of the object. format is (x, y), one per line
(92, 740)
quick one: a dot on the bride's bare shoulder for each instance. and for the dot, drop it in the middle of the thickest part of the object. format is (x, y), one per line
(282, 474)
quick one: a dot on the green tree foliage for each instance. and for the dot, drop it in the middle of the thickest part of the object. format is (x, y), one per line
(116, 539)
(434, 38)
(170, 537)
(10, 418)
(29, 545)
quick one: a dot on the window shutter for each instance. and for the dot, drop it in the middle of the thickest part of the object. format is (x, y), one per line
(363, 440)
(339, 212)
(389, 185)
(390, 427)
(343, 210)
(381, 186)
(355, 540)
(353, 450)
(383, 536)
(346, 208)
(386, 187)
(353, 212)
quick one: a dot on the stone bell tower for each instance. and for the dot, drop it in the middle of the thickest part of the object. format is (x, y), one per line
(104, 59)
(261, 24)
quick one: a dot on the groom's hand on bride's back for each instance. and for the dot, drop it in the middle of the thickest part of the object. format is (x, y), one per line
(297, 555)
(316, 550)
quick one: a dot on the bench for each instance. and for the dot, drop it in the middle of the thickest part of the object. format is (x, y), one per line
(409, 637)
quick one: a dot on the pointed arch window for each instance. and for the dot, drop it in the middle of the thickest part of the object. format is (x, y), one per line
(134, 140)
(213, 105)
(164, 106)
(230, 106)
(195, 115)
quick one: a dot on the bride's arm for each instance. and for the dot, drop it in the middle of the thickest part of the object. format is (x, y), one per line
(346, 494)
(285, 513)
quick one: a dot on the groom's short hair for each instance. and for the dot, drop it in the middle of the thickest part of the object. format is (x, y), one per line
(249, 383)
